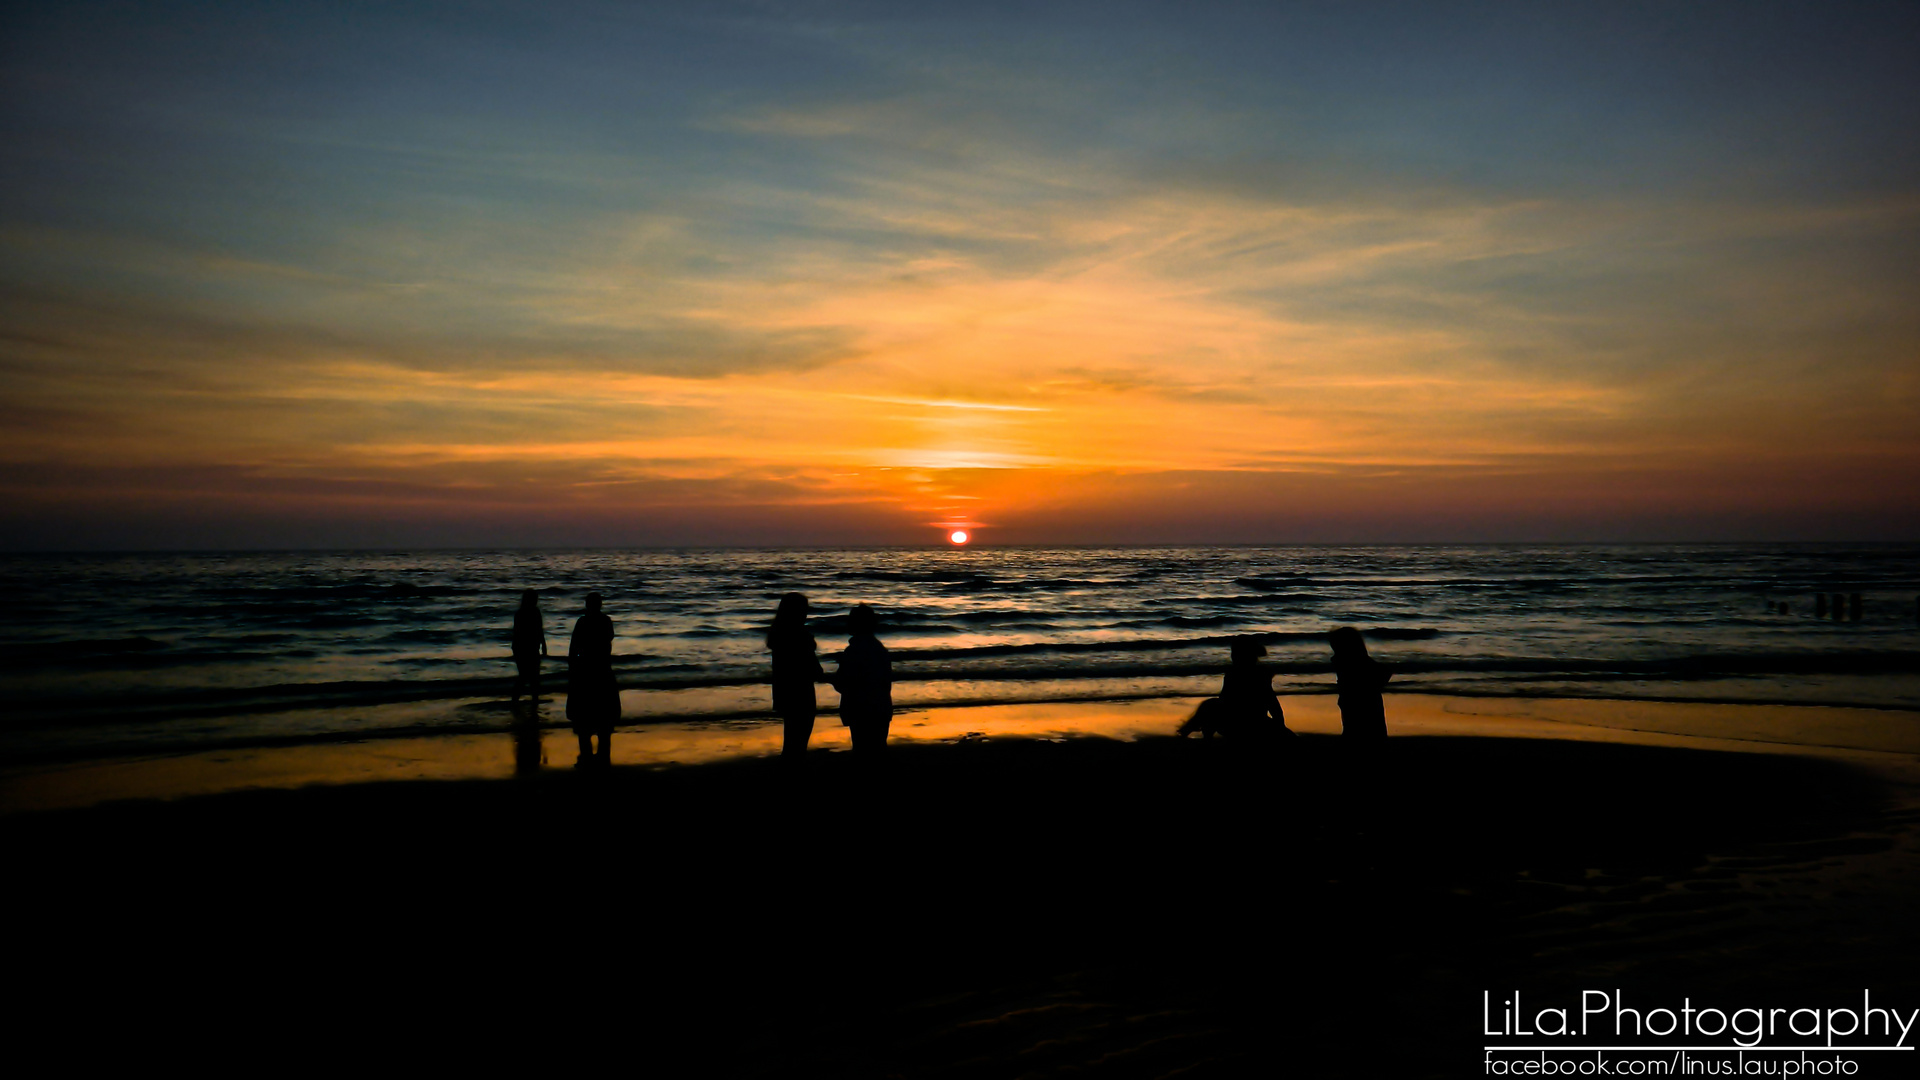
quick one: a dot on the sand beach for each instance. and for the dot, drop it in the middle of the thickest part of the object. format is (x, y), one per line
(1047, 890)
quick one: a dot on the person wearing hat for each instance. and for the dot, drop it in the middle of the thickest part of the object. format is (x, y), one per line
(865, 682)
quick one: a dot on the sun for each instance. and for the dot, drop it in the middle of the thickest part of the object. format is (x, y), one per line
(958, 536)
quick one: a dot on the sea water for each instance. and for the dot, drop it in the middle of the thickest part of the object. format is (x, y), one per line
(111, 653)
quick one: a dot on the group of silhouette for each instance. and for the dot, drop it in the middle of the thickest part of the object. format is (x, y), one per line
(593, 697)
(1246, 709)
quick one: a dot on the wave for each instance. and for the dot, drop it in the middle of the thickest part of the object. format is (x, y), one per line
(1190, 622)
(1252, 600)
(421, 636)
(984, 664)
(1271, 581)
(973, 581)
(912, 577)
(1149, 644)
(39, 650)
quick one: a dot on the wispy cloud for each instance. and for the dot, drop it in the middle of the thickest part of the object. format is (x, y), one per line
(918, 265)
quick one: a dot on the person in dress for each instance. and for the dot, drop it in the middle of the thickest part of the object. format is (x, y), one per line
(529, 645)
(1363, 715)
(593, 699)
(795, 670)
(865, 682)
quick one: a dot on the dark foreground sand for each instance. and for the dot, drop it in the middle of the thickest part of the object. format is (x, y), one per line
(1004, 908)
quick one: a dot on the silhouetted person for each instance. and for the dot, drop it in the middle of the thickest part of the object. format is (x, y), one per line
(1820, 605)
(529, 644)
(865, 682)
(1246, 709)
(593, 700)
(795, 670)
(1363, 715)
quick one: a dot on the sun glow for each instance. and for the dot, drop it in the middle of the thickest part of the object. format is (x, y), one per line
(958, 537)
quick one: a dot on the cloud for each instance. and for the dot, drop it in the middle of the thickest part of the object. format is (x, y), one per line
(921, 263)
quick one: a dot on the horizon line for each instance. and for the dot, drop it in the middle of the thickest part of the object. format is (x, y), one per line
(943, 546)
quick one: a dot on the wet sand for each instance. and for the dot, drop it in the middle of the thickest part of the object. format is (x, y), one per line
(1874, 738)
(1114, 903)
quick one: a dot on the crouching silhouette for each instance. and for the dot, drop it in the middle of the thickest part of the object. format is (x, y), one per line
(1247, 709)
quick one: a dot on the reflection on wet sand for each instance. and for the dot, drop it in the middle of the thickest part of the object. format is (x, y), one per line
(528, 753)
(1867, 736)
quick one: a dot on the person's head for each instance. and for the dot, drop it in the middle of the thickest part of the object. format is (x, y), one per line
(1248, 650)
(862, 621)
(529, 598)
(593, 602)
(1347, 644)
(793, 609)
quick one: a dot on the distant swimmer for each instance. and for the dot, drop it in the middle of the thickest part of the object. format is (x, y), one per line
(865, 682)
(795, 670)
(1246, 709)
(1363, 715)
(593, 699)
(529, 644)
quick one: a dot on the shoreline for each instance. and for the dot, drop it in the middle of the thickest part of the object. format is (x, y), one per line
(225, 702)
(1887, 740)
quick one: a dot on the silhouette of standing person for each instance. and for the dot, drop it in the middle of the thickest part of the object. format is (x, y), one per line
(795, 670)
(593, 700)
(529, 644)
(1363, 715)
(865, 682)
(1246, 709)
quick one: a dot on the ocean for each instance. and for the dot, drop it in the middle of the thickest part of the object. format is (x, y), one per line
(133, 653)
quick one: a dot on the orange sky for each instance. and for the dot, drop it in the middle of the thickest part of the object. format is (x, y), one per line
(870, 284)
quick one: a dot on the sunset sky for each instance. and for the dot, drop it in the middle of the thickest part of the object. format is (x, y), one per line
(295, 275)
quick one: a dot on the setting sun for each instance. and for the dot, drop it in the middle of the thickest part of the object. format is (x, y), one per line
(958, 536)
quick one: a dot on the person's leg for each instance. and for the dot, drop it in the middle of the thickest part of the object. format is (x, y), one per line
(586, 749)
(606, 747)
(799, 731)
(869, 735)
